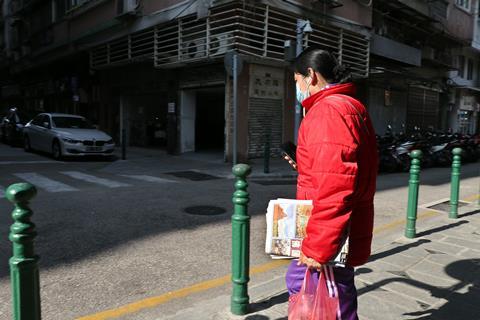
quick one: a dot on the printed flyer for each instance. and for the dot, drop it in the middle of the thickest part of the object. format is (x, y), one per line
(286, 224)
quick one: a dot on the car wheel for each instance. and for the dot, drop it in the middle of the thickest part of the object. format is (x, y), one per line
(56, 150)
(26, 144)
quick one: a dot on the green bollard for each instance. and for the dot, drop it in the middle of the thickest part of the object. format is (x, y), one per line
(455, 185)
(23, 264)
(413, 183)
(240, 241)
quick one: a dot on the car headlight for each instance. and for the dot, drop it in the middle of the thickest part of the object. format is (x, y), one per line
(68, 140)
(110, 141)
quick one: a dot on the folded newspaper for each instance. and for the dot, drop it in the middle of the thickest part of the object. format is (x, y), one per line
(286, 223)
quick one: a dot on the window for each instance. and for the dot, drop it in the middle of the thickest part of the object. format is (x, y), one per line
(470, 69)
(461, 66)
(464, 4)
(75, 3)
(38, 120)
(72, 123)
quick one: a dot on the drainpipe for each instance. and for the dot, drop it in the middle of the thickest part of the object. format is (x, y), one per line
(7, 28)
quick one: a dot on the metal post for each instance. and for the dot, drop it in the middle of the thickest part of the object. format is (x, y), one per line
(124, 144)
(266, 155)
(455, 185)
(235, 76)
(123, 131)
(410, 231)
(240, 241)
(298, 106)
(23, 264)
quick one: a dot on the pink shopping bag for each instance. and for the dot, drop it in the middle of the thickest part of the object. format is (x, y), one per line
(326, 305)
(314, 303)
(300, 305)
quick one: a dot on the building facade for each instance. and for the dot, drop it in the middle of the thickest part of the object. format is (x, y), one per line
(157, 69)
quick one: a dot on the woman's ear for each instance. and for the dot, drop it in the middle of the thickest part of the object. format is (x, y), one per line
(314, 76)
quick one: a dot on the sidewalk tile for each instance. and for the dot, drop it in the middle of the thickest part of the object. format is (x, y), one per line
(375, 308)
(462, 242)
(443, 247)
(434, 281)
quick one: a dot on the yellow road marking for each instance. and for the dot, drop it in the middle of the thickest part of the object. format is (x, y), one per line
(214, 283)
(472, 198)
(155, 301)
(396, 223)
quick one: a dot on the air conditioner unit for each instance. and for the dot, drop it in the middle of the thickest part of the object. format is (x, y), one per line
(192, 49)
(221, 43)
(127, 7)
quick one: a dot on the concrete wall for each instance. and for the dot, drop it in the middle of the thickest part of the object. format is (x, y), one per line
(151, 6)
(460, 22)
(381, 115)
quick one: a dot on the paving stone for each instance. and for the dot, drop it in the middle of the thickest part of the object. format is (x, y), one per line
(374, 308)
(457, 307)
(400, 260)
(380, 265)
(432, 269)
(443, 259)
(470, 254)
(400, 300)
(434, 281)
(443, 247)
(462, 243)
(407, 287)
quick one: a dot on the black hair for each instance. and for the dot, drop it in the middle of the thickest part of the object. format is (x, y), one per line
(323, 62)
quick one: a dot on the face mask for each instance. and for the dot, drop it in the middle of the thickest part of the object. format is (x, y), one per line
(301, 95)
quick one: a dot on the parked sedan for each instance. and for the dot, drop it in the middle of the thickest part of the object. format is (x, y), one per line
(11, 126)
(66, 135)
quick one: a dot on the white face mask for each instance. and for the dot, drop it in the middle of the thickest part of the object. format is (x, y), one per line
(302, 95)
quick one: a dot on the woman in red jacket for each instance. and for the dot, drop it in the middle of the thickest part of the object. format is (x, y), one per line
(337, 168)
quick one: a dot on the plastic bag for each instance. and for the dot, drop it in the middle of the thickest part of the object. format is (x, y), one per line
(313, 303)
(300, 305)
(326, 306)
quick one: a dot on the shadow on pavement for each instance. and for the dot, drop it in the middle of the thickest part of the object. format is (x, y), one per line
(265, 304)
(458, 306)
(430, 177)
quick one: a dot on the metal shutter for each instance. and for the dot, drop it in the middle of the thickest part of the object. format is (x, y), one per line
(423, 108)
(265, 117)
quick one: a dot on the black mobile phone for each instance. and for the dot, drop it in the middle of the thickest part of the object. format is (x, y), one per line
(289, 151)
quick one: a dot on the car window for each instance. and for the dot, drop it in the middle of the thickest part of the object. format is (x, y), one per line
(46, 119)
(38, 120)
(72, 123)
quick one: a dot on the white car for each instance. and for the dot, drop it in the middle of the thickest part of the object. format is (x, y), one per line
(65, 135)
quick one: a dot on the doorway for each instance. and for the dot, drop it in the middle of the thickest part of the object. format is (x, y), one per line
(202, 120)
(210, 120)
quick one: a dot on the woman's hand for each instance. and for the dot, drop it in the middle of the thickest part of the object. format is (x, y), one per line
(309, 262)
(294, 166)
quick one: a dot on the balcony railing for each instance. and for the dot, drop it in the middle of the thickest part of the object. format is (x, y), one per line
(253, 30)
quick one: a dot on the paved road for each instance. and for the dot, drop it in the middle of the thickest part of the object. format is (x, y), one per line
(110, 233)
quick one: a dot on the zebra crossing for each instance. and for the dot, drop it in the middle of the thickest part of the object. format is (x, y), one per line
(52, 185)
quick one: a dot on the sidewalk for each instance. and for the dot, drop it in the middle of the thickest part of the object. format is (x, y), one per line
(142, 160)
(435, 276)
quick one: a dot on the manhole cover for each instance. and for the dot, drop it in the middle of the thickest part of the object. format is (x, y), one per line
(275, 182)
(193, 175)
(205, 210)
(445, 206)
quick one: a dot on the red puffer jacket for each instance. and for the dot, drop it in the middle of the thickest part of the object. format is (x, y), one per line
(337, 169)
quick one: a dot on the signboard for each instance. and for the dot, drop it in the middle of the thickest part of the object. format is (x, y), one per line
(266, 82)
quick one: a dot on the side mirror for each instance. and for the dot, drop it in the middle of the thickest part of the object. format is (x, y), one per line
(46, 125)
